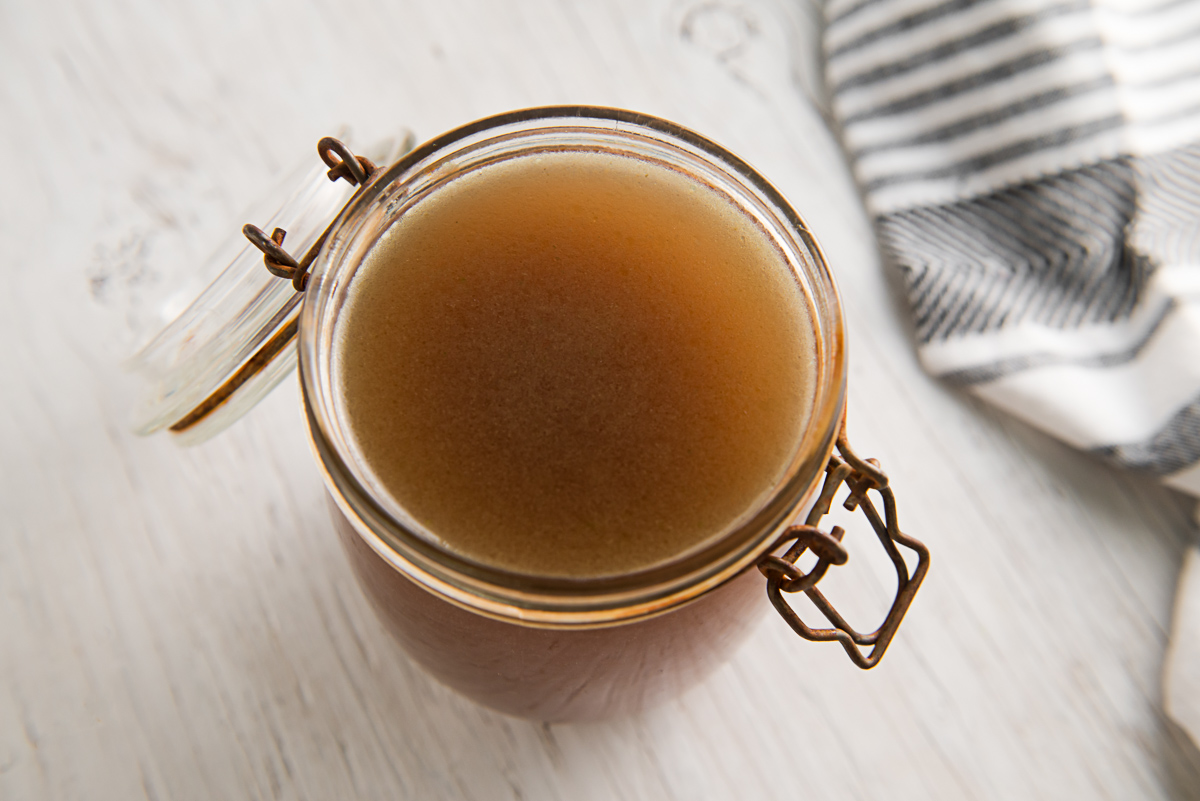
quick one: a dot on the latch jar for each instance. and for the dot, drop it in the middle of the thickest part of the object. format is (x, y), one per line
(548, 647)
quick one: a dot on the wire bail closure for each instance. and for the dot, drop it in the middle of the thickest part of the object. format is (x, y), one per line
(860, 475)
(357, 170)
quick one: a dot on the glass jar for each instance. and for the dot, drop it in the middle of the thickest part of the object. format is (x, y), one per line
(554, 648)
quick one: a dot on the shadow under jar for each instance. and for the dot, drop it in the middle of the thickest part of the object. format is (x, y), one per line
(571, 375)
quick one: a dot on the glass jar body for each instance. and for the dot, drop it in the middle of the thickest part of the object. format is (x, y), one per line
(561, 648)
(557, 674)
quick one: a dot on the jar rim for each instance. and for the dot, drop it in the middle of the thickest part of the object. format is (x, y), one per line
(535, 599)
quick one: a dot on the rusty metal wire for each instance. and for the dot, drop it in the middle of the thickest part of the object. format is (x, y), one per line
(358, 170)
(860, 476)
(355, 169)
(278, 260)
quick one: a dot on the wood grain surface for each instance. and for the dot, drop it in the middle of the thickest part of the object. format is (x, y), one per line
(181, 624)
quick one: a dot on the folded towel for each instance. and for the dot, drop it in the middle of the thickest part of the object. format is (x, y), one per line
(1033, 170)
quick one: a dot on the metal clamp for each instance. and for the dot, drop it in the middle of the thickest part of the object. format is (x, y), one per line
(358, 170)
(861, 476)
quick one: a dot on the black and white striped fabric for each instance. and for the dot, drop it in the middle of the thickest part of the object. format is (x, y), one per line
(1033, 168)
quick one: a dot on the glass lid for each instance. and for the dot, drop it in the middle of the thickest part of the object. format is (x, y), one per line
(236, 341)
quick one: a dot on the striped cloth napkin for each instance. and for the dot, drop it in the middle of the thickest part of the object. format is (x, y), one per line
(1033, 170)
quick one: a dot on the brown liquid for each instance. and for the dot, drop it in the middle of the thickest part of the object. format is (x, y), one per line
(559, 674)
(575, 364)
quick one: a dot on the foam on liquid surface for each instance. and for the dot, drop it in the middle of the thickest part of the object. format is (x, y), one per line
(575, 364)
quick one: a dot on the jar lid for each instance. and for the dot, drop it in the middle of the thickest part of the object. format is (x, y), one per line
(236, 340)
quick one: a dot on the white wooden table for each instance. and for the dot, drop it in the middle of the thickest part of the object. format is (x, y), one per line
(180, 624)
